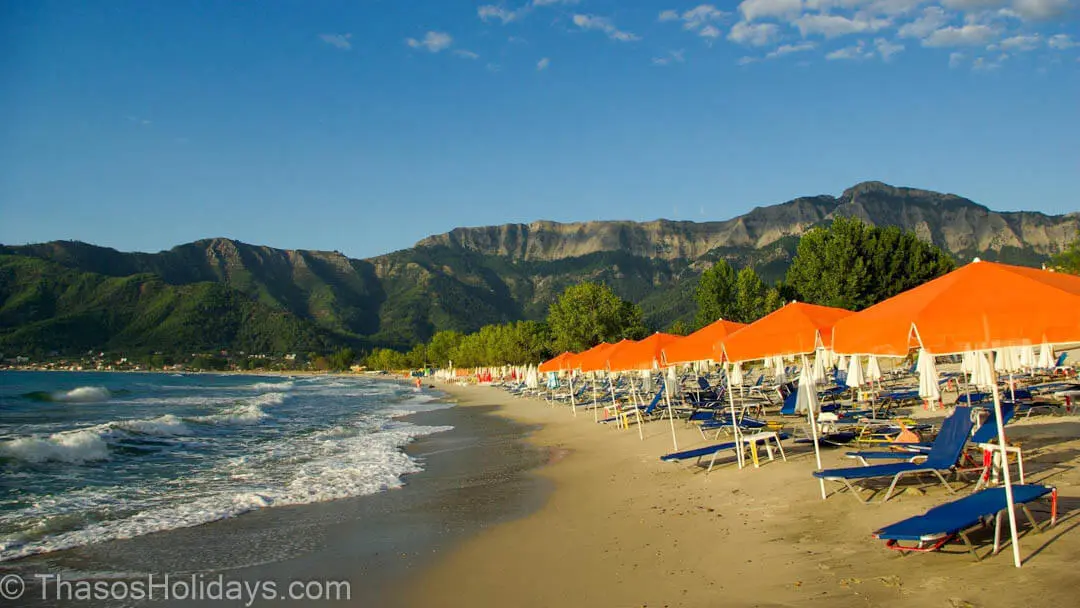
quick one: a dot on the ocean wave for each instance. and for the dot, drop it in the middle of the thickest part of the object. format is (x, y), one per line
(162, 426)
(333, 465)
(76, 447)
(272, 386)
(82, 394)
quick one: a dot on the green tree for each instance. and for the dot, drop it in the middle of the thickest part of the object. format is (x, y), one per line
(680, 328)
(1069, 258)
(773, 300)
(342, 359)
(715, 294)
(852, 265)
(750, 294)
(386, 359)
(440, 347)
(589, 313)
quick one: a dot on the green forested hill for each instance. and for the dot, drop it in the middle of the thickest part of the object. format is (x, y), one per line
(48, 307)
(66, 295)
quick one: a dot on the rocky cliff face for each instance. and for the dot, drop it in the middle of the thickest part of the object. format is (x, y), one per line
(949, 221)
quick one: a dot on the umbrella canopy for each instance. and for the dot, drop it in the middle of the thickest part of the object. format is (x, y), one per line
(643, 354)
(594, 359)
(943, 317)
(855, 377)
(928, 377)
(794, 329)
(873, 370)
(557, 364)
(702, 345)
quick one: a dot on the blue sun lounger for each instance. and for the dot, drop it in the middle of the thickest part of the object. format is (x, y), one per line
(709, 450)
(933, 529)
(942, 457)
(915, 451)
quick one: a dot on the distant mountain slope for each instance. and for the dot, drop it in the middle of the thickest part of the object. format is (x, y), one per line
(470, 277)
(48, 307)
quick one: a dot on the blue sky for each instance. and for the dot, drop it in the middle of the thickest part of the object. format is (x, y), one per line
(363, 126)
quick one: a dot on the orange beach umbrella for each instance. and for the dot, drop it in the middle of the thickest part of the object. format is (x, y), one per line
(977, 307)
(596, 358)
(643, 354)
(982, 305)
(702, 345)
(557, 364)
(794, 329)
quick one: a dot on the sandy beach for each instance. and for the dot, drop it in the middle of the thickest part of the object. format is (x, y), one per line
(622, 528)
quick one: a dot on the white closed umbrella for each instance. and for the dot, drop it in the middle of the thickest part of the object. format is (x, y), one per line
(967, 364)
(928, 377)
(768, 362)
(1005, 360)
(671, 384)
(842, 362)
(778, 370)
(873, 370)
(982, 373)
(736, 377)
(646, 380)
(1026, 357)
(1046, 356)
(818, 372)
(855, 377)
(806, 401)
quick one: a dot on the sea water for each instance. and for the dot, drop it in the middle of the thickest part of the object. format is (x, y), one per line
(90, 457)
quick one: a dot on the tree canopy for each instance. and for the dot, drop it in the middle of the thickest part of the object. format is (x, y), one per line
(1069, 259)
(590, 313)
(724, 294)
(852, 265)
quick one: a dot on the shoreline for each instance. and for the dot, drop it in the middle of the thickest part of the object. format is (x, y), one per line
(622, 528)
(472, 477)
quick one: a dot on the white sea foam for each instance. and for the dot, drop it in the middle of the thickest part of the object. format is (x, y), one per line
(83, 394)
(331, 467)
(80, 446)
(164, 426)
(272, 386)
(248, 411)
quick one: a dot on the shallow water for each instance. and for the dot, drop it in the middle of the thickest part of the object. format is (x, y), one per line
(87, 457)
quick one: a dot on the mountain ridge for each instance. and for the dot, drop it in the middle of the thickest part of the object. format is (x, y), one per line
(469, 277)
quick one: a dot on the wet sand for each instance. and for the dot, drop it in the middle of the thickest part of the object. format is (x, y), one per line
(623, 528)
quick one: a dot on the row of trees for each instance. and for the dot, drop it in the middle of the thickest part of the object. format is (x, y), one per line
(847, 264)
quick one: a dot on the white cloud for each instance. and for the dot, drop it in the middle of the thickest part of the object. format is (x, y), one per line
(983, 64)
(932, 19)
(678, 56)
(754, 34)
(1039, 10)
(755, 9)
(857, 51)
(491, 12)
(543, 64)
(967, 35)
(887, 49)
(1061, 42)
(787, 49)
(603, 24)
(832, 26)
(710, 31)
(699, 19)
(701, 15)
(464, 54)
(553, 2)
(340, 41)
(433, 42)
(493, 67)
(973, 5)
(746, 60)
(956, 59)
(1021, 43)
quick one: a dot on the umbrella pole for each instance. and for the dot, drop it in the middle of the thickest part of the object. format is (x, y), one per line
(670, 413)
(573, 402)
(1005, 471)
(817, 446)
(1012, 389)
(614, 403)
(735, 427)
(594, 403)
